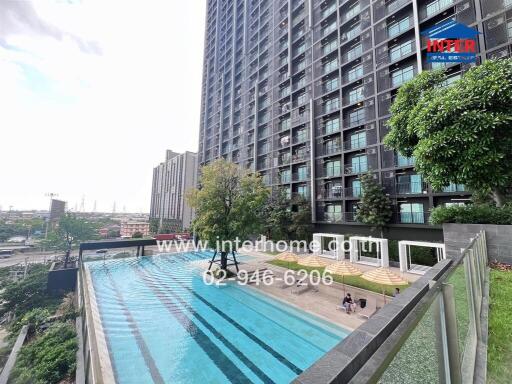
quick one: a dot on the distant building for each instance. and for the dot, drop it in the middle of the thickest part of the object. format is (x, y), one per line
(57, 210)
(129, 228)
(171, 180)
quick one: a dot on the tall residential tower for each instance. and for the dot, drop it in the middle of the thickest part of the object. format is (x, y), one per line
(300, 90)
(171, 180)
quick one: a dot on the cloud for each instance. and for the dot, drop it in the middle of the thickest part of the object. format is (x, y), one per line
(78, 123)
(20, 17)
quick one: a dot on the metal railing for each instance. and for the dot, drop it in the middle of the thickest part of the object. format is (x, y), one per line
(449, 328)
(434, 332)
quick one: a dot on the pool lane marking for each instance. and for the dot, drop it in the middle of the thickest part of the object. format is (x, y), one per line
(238, 326)
(247, 292)
(143, 347)
(234, 374)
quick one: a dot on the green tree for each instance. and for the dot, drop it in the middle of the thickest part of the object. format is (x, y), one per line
(374, 208)
(458, 134)
(70, 231)
(277, 216)
(137, 235)
(228, 205)
(301, 226)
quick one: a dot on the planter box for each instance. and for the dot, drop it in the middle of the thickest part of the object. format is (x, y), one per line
(499, 239)
(62, 280)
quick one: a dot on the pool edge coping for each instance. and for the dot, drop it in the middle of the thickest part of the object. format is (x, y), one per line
(106, 368)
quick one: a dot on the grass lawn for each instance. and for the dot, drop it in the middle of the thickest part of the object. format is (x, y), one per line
(355, 281)
(499, 355)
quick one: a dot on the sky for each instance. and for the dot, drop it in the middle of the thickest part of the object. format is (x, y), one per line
(92, 93)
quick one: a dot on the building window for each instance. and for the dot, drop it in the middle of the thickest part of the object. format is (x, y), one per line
(358, 140)
(284, 124)
(330, 46)
(301, 135)
(285, 176)
(401, 50)
(402, 75)
(357, 117)
(454, 188)
(355, 95)
(302, 173)
(331, 146)
(355, 73)
(412, 213)
(331, 84)
(396, 28)
(333, 212)
(359, 164)
(355, 52)
(356, 188)
(333, 168)
(330, 65)
(509, 23)
(410, 184)
(332, 105)
(302, 190)
(352, 11)
(404, 161)
(332, 126)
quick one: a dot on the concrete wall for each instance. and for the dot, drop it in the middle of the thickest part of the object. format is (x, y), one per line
(499, 239)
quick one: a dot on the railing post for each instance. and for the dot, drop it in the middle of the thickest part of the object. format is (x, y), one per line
(451, 333)
(442, 340)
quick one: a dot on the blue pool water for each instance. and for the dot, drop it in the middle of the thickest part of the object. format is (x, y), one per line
(164, 325)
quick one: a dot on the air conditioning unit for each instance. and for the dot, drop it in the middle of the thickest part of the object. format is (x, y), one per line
(389, 175)
(495, 23)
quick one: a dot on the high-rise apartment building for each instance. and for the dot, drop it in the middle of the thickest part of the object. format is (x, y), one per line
(300, 91)
(171, 180)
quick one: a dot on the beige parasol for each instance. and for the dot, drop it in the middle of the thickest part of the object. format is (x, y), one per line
(313, 261)
(287, 256)
(383, 276)
(342, 268)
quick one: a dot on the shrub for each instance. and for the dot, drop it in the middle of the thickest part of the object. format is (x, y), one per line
(472, 214)
(35, 318)
(48, 359)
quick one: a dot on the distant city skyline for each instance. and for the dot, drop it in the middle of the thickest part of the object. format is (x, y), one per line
(92, 96)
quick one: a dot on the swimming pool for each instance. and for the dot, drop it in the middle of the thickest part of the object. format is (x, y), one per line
(162, 324)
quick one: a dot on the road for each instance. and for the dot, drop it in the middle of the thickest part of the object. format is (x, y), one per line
(32, 257)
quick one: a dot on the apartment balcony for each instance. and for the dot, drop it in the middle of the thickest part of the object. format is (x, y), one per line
(302, 138)
(331, 194)
(434, 7)
(327, 150)
(362, 163)
(353, 192)
(284, 159)
(356, 49)
(328, 106)
(411, 217)
(359, 117)
(358, 93)
(330, 172)
(301, 195)
(387, 8)
(300, 176)
(352, 9)
(329, 217)
(386, 30)
(325, 11)
(300, 156)
(408, 188)
(387, 55)
(356, 72)
(387, 79)
(368, 137)
(300, 116)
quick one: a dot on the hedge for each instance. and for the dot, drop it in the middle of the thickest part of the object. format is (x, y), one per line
(472, 214)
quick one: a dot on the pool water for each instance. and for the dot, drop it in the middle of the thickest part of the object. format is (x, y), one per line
(163, 324)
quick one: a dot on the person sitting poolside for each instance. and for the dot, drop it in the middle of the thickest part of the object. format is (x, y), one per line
(348, 303)
(397, 292)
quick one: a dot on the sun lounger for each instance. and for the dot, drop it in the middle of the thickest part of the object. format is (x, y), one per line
(300, 288)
